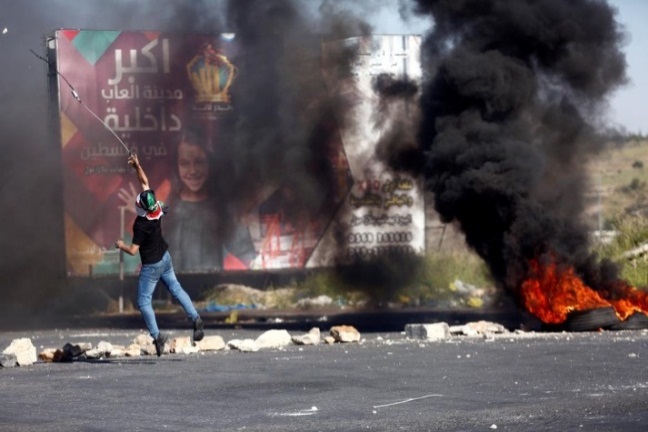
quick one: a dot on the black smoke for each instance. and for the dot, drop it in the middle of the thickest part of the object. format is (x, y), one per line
(398, 115)
(283, 129)
(510, 112)
(286, 117)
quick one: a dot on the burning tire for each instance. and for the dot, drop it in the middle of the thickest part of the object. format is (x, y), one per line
(636, 321)
(587, 320)
(591, 320)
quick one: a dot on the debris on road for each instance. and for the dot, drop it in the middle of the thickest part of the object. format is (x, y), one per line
(23, 350)
(274, 339)
(430, 332)
(243, 345)
(441, 330)
(311, 338)
(478, 328)
(345, 333)
(211, 343)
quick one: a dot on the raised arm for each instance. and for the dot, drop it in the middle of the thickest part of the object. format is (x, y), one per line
(141, 175)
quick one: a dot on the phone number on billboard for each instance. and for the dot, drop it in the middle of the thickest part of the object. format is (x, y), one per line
(380, 251)
(387, 237)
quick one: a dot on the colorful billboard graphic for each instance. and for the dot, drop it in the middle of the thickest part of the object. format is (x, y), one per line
(167, 98)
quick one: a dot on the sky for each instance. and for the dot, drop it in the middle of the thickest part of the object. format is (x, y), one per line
(628, 105)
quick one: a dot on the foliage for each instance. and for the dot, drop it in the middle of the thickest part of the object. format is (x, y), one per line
(407, 280)
(439, 275)
(631, 232)
(617, 181)
(232, 294)
(328, 282)
(635, 185)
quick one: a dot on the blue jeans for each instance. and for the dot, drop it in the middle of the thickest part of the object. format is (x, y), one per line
(149, 276)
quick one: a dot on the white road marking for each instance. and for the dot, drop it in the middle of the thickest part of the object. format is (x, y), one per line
(407, 400)
(306, 412)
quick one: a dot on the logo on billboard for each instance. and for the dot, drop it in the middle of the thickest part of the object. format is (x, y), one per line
(211, 74)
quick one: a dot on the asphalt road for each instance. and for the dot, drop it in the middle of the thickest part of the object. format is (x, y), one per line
(519, 382)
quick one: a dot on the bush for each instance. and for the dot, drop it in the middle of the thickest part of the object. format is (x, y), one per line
(438, 275)
(635, 185)
(632, 232)
(408, 280)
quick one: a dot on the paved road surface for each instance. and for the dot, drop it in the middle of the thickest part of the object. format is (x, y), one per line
(519, 382)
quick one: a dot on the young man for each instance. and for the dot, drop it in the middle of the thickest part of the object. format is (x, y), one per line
(156, 261)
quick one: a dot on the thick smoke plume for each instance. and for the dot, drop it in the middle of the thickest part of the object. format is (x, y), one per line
(282, 130)
(510, 108)
(285, 136)
(286, 118)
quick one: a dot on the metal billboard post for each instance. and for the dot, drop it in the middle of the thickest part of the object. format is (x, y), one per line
(121, 262)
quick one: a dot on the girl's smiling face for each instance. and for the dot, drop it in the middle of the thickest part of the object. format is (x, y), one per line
(193, 167)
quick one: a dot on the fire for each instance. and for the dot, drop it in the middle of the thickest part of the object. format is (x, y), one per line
(551, 293)
(628, 300)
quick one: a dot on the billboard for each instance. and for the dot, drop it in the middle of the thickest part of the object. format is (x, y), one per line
(168, 98)
(384, 212)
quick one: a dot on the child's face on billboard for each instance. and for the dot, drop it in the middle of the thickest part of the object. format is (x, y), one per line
(193, 167)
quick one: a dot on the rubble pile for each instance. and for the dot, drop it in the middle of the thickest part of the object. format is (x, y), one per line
(21, 352)
(441, 330)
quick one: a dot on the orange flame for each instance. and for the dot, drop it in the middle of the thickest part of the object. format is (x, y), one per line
(628, 300)
(551, 293)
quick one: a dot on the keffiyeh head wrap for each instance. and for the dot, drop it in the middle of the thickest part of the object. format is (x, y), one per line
(147, 206)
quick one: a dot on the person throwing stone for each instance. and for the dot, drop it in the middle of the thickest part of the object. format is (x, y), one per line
(156, 261)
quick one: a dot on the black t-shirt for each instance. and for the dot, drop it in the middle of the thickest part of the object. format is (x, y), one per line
(148, 235)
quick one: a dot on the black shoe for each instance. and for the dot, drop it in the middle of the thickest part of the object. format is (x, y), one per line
(159, 343)
(198, 334)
